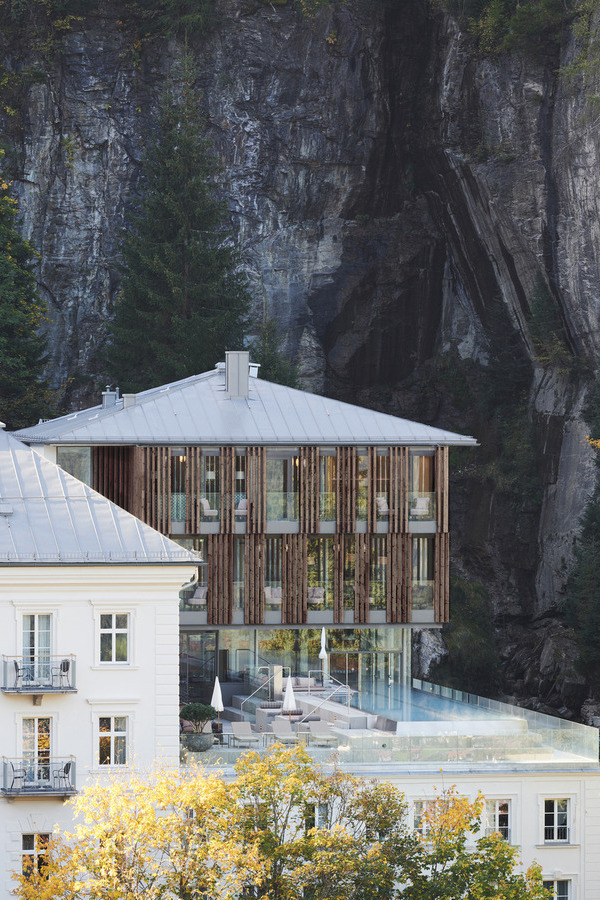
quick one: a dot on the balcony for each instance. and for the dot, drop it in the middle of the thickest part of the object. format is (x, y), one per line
(327, 506)
(38, 674)
(38, 777)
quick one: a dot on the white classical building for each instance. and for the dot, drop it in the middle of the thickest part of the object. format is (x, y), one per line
(89, 618)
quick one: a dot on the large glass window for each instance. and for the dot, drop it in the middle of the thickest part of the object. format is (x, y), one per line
(320, 573)
(239, 555)
(421, 486)
(349, 571)
(114, 637)
(382, 485)
(327, 475)
(36, 748)
(76, 461)
(378, 573)
(558, 890)
(282, 485)
(112, 740)
(210, 497)
(241, 496)
(362, 485)
(178, 504)
(422, 573)
(36, 647)
(273, 573)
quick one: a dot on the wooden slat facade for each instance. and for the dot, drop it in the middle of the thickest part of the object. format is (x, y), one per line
(111, 467)
(345, 489)
(254, 576)
(309, 490)
(293, 579)
(441, 488)
(139, 479)
(441, 582)
(256, 489)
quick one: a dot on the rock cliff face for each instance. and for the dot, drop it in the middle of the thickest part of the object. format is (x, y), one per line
(401, 203)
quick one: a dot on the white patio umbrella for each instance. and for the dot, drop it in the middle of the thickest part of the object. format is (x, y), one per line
(217, 699)
(289, 701)
(323, 652)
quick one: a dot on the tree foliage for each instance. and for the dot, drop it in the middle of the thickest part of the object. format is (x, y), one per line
(274, 365)
(24, 394)
(183, 298)
(283, 829)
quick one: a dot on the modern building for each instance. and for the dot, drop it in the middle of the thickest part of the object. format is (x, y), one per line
(89, 606)
(308, 512)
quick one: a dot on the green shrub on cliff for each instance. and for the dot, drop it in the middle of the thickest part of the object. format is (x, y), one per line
(24, 394)
(183, 298)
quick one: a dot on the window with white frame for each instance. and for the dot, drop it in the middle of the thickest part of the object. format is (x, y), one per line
(422, 809)
(558, 890)
(315, 815)
(497, 816)
(33, 852)
(114, 637)
(112, 740)
(556, 821)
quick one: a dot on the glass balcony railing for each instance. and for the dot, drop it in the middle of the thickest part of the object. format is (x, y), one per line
(33, 776)
(282, 506)
(42, 674)
(327, 506)
(421, 506)
(422, 595)
(178, 507)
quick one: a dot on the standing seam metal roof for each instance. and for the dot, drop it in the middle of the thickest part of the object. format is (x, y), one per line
(198, 410)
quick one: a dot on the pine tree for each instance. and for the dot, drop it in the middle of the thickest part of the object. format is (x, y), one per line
(274, 365)
(24, 393)
(183, 298)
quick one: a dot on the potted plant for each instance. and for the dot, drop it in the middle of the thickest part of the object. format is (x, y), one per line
(198, 715)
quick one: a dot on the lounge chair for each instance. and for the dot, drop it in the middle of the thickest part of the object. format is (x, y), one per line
(322, 734)
(206, 510)
(282, 730)
(383, 509)
(199, 597)
(241, 510)
(421, 507)
(243, 734)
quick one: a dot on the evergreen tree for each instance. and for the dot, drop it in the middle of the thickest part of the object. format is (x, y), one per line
(183, 299)
(24, 394)
(274, 365)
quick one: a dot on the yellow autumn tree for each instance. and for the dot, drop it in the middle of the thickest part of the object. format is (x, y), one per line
(282, 829)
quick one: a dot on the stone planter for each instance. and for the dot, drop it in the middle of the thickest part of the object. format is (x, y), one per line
(197, 742)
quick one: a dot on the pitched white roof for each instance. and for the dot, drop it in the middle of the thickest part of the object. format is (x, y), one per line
(198, 410)
(48, 517)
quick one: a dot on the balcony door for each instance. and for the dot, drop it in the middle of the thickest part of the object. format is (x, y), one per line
(36, 749)
(37, 647)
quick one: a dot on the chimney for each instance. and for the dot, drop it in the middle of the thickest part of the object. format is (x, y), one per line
(109, 398)
(129, 400)
(237, 364)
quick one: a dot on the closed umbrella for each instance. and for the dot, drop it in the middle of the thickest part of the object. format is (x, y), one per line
(217, 699)
(323, 652)
(289, 701)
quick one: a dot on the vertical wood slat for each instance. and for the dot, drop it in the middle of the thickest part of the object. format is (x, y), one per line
(398, 489)
(345, 489)
(339, 551)
(137, 496)
(395, 573)
(361, 577)
(407, 576)
(112, 470)
(256, 485)
(441, 488)
(254, 576)
(441, 585)
(156, 496)
(294, 579)
(192, 490)
(227, 488)
(371, 489)
(219, 558)
(309, 490)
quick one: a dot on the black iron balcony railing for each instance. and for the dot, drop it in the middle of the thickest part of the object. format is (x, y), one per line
(34, 776)
(43, 674)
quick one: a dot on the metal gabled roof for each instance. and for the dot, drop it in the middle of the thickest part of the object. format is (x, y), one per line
(198, 410)
(48, 517)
